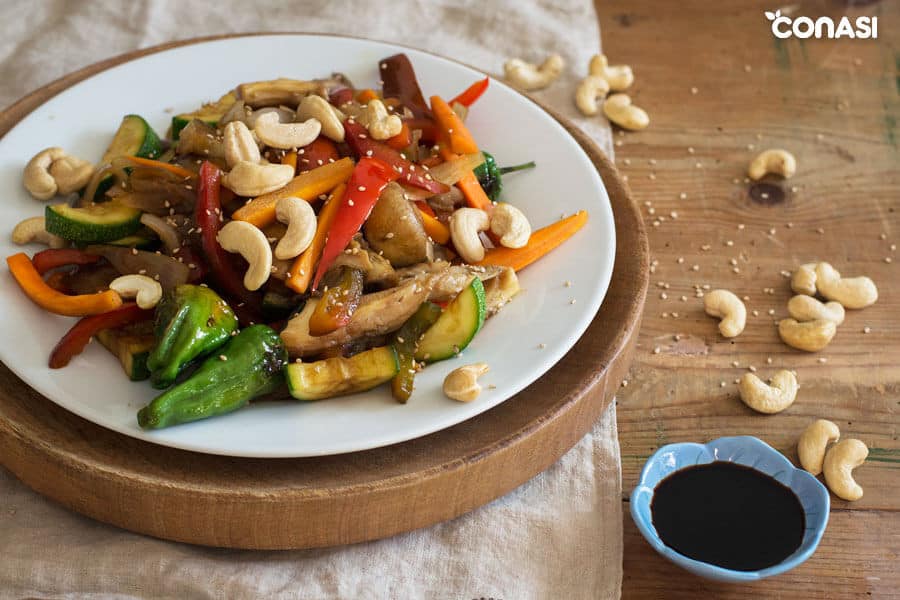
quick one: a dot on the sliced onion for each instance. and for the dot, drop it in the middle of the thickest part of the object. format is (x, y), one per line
(166, 232)
(165, 269)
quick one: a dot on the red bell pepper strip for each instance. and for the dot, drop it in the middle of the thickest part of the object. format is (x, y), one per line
(369, 178)
(338, 303)
(75, 340)
(472, 93)
(341, 96)
(206, 216)
(428, 127)
(319, 152)
(358, 138)
(399, 81)
(46, 260)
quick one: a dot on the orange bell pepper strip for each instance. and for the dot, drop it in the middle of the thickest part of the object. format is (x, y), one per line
(308, 186)
(402, 140)
(174, 169)
(303, 269)
(364, 96)
(542, 242)
(51, 300)
(434, 228)
(290, 159)
(454, 130)
(468, 184)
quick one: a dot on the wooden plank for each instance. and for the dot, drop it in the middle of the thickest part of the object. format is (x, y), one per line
(835, 105)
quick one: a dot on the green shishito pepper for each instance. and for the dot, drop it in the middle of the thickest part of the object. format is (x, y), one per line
(490, 176)
(191, 322)
(250, 364)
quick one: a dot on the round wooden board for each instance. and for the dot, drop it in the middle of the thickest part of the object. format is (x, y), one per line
(313, 502)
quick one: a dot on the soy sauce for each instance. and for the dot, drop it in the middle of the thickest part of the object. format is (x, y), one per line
(728, 515)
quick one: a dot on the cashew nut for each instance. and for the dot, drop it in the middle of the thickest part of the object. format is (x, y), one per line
(462, 384)
(465, 224)
(811, 336)
(251, 243)
(803, 281)
(511, 225)
(728, 307)
(619, 109)
(146, 291)
(255, 179)
(318, 108)
(619, 77)
(300, 218)
(813, 441)
(381, 125)
(51, 171)
(275, 134)
(528, 76)
(239, 144)
(768, 399)
(851, 292)
(591, 89)
(776, 161)
(34, 230)
(807, 308)
(840, 460)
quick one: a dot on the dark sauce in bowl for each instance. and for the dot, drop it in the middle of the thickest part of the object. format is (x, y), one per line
(728, 515)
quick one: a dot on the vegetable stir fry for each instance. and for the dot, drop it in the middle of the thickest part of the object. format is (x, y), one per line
(305, 235)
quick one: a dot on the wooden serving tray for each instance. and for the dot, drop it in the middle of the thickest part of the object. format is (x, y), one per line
(312, 502)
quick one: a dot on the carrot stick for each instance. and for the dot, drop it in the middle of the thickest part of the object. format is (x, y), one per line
(468, 184)
(364, 96)
(542, 242)
(461, 141)
(149, 162)
(302, 270)
(51, 300)
(261, 210)
(402, 139)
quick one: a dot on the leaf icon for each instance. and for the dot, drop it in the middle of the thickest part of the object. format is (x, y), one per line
(770, 15)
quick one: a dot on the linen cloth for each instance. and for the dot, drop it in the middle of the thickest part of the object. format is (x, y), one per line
(557, 536)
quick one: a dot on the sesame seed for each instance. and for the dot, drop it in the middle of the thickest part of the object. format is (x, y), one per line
(657, 350)
(223, 358)
(542, 345)
(867, 329)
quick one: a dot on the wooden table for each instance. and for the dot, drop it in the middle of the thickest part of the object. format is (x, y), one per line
(719, 87)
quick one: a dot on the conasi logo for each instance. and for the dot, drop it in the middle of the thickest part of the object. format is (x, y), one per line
(784, 27)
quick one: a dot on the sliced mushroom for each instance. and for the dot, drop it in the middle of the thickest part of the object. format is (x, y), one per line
(378, 313)
(395, 229)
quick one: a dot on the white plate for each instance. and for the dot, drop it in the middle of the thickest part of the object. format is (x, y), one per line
(520, 344)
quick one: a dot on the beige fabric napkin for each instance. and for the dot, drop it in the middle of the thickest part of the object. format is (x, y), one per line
(558, 536)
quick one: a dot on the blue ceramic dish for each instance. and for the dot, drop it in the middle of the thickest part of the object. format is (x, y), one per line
(750, 452)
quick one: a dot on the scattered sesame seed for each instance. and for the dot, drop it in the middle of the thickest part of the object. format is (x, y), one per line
(722, 384)
(695, 267)
(823, 360)
(752, 369)
(735, 364)
(624, 383)
(542, 345)
(572, 301)
(888, 259)
(867, 329)
(657, 350)
(223, 358)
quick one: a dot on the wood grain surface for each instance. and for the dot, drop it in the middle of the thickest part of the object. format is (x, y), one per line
(719, 88)
(300, 503)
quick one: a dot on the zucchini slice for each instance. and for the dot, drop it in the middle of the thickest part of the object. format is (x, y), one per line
(338, 376)
(134, 137)
(208, 113)
(98, 223)
(456, 326)
(132, 347)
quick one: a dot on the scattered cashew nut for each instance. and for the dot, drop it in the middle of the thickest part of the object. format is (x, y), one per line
(810, 336)
(768, 399)
(51, 171)
(462, 383)
(619, 109)
(511, 225)
(776, 161)
(591, 89)
(803, 281)
(840, 460)
(851, 292)
(146, 291)
(318, 108)
(34, 229)
(807, 308)
(275, 134)
(528, 76)
(255, 179)
(381, 125)
(251, 243)
(239, 144)
(465, 224)
(619, 77)
(813, 442)
(725, 305)
(300, 218)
